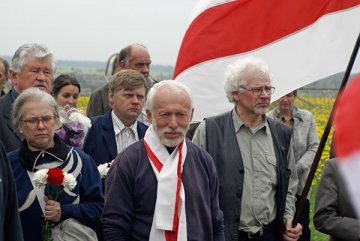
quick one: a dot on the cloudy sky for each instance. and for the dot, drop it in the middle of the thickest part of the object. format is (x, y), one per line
(94, 29)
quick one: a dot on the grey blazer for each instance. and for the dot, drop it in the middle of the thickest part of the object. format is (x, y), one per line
(333, 213)
(9, 135)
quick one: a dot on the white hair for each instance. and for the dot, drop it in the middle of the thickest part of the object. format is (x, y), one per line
(173, 85)
(235, 73)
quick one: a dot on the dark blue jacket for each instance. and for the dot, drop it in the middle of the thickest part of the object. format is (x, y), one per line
(88, 190)
(100, 142)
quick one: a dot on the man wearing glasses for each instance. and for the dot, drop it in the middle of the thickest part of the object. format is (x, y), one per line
(32, 66)
(254, 158)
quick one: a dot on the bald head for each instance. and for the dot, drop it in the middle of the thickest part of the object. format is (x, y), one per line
(136, 57)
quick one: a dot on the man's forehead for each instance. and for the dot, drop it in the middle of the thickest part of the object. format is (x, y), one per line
(257, 77)
(140, 60)
(34, 62)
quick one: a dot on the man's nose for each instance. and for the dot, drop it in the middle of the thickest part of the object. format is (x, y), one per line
(40, 75)
(173, 121)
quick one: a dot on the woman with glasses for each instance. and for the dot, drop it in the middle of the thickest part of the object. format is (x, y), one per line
(35, 114)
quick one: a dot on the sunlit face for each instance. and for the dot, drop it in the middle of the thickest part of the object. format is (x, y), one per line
(127, 104)
(171, 116)
(3, 78)
(286, 103)
(36, 73)
(247, 101)
(67, 95)
(38, 134)
(139, 60)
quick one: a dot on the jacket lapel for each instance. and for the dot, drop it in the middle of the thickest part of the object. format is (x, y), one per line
(108, 135)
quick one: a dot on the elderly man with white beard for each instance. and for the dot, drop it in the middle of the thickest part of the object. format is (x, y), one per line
(163, 187)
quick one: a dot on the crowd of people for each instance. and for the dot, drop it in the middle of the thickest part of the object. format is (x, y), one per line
(235, 176)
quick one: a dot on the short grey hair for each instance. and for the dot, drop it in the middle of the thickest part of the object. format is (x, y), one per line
(31, 94)
(235, 73)
(174, 86)
(34, 50)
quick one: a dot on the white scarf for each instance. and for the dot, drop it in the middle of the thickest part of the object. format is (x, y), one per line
(170, 191)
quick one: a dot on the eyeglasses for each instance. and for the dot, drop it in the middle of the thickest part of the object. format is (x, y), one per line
(258, 90)
(34, 122)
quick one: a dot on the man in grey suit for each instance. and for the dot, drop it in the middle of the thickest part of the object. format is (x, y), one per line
(134, 56)
(333, 213)
(32, 66)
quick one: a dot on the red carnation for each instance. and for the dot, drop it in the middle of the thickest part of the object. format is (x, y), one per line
(55, 176)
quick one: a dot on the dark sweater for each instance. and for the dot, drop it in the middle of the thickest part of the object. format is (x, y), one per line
(131, 189)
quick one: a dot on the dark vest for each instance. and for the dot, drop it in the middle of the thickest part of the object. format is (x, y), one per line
(222, 145)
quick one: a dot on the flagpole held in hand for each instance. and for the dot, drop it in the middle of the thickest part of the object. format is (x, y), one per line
(325, 135)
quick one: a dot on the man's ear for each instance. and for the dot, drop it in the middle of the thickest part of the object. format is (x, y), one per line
(14, 77)
(122, 65)
(192, 114)
(111, 98)
(149, 115)
(235, 95)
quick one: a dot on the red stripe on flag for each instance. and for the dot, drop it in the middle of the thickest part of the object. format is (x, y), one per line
(241, 26)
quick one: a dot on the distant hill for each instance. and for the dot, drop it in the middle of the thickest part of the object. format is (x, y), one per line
(100, 65)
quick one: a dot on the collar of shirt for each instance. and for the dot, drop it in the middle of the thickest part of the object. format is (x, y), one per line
(238, 123)
(119, 125)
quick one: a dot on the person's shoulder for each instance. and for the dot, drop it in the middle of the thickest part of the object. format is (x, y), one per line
(131, 155)
(142, 125)
(99, 119)
(5, 99)
(219, 116)
(278, 126)
(100, 89)
(198, 151)
(13, 154)
(331, 164)
(305, 114)
(272, 113)
(86, 159)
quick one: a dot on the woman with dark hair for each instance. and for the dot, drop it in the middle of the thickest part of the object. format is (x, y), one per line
(66, 90)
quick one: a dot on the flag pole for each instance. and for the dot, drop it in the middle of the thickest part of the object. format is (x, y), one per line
(325, 136)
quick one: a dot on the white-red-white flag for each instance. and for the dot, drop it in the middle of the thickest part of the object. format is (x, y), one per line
(302, 41)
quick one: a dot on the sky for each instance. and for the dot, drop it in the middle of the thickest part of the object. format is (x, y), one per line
(94, 29)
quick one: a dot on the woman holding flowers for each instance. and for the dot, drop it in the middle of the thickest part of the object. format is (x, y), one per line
(71, 186)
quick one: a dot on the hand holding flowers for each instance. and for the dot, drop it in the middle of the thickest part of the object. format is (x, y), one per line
(55, 181)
